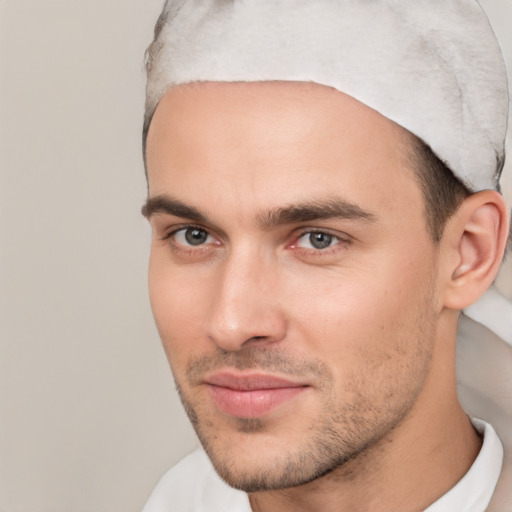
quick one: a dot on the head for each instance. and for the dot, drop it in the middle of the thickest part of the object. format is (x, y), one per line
(310, 252)
(292, 258)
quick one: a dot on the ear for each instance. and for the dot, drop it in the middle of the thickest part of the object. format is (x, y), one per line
(474, 241)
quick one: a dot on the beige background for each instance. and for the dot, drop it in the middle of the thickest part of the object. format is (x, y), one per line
(88, 414)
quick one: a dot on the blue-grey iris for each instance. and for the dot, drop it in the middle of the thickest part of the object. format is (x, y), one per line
(196, 236)
(320, 240)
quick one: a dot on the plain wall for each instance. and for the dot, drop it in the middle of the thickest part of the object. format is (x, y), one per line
(89, 418)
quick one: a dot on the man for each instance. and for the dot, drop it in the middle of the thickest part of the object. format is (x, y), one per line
(321, 180)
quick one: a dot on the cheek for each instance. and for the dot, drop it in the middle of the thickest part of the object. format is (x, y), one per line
(178, 301)
(369, 312)
(376, 339)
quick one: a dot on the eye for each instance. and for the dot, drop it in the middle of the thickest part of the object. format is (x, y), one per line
(317, 240)
(192, 236)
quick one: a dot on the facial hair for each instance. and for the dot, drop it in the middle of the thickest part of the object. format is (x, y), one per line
(342, 431)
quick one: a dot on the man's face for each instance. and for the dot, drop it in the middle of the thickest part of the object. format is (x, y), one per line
(291, 275)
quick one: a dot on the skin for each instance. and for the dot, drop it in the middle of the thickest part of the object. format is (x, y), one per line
(367, 324)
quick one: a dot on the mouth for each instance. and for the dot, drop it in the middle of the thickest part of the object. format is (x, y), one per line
(251, 395)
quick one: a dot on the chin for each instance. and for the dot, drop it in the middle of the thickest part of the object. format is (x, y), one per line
(265, 464)
(261, 454)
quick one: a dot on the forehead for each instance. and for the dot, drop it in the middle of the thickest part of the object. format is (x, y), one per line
(259, 145)
(278, 103)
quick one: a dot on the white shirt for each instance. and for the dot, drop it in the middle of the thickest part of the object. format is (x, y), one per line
(474, 491)
(194, 486)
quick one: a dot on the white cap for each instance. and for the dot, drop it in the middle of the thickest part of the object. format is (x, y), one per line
(434, 67)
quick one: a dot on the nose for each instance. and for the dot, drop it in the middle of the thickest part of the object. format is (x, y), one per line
(245, 309)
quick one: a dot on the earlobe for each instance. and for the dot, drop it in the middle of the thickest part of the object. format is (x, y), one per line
(477, 235)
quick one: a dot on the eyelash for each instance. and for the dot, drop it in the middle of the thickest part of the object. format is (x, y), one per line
(170, 238)
(341, 243)
(175, 229)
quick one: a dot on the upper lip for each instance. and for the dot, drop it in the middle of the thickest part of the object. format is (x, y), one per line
(250, 381)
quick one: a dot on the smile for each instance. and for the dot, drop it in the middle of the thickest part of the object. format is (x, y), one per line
(251, 396)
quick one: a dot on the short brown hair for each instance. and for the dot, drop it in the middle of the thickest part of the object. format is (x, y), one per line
(443, 192)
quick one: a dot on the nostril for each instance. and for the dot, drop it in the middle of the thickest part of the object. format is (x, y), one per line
(258, 340)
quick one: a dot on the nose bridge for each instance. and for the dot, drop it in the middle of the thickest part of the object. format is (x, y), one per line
(245, 307)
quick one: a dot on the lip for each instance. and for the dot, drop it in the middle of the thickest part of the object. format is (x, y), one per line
(251, 395)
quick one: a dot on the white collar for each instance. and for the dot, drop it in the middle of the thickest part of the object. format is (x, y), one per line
(474, 491)
(193, 484)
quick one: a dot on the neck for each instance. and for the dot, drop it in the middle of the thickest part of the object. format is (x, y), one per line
(411, 467)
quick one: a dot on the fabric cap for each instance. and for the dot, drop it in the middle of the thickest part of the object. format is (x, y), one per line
(434, 67)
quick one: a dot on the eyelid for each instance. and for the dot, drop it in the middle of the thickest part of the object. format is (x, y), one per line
(342, 237)
(186, 252)
(344, 240)
(171, 231)
(307, 239)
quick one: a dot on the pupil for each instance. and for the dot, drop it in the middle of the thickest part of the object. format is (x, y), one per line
(320, 240)
(195, 236)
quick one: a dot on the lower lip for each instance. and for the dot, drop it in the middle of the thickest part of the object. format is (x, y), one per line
(251, 403)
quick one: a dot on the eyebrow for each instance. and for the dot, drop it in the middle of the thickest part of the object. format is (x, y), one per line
(170, 206)
(334, 207)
